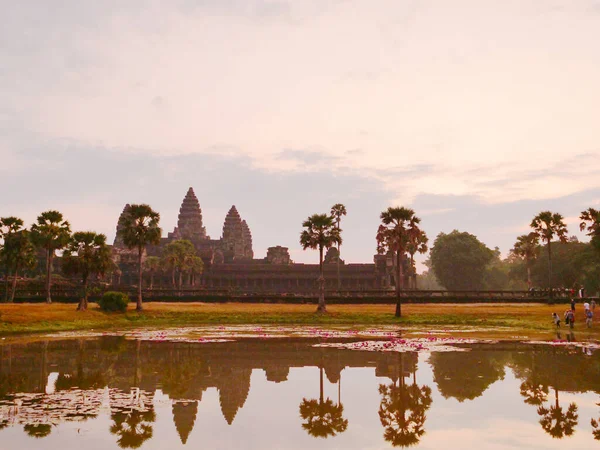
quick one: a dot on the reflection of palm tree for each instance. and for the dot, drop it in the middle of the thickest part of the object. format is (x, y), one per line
(398, 401)
(534, 393)
(133, 428)
(556, 422)
(323, 417)
(38, 431)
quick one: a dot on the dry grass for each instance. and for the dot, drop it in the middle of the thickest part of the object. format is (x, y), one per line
(20, 318)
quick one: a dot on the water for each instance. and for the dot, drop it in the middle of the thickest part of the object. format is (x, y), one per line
(110, 393)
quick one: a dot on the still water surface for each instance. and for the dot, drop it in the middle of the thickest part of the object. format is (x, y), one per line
(110, 393)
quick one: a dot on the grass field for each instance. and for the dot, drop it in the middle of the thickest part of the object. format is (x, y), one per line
(510, 318)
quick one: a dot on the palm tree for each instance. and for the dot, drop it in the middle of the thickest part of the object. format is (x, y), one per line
(51, 232)
(323, 417)
(18, 254)
(393, 235)
(556, 422)
(320, 233)
(527, 248)
(590, 222)
(546, 225)
(139, 228)
(86, 255)
(8, 226)
(151, 266)
(534, 393)
(417, 242)
(337, 211)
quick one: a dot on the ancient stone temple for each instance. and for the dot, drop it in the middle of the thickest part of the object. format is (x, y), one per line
(230, 263)
(118, 242)
(189, 222)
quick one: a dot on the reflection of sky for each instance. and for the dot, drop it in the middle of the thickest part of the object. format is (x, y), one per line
(499, 419)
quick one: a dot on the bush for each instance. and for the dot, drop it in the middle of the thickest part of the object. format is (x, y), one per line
(114, 301)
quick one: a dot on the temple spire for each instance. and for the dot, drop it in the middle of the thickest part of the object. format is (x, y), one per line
(189, 222)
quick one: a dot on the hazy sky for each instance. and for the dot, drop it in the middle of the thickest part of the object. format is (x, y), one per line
(478, 114)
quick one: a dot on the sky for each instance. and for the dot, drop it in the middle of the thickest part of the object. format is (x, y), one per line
(478, 114)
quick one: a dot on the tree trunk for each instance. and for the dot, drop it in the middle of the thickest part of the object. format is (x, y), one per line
(528, 276)
(550, 269)
(48, 274)
(173, 277)
(14, 285)
(139, 299)
(398, 282)
(321, 385)
(84, 295)
(6, 284)
(180, 279)
(321, 308)
(151, 280)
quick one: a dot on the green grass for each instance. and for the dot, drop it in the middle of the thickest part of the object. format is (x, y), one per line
(35, 318)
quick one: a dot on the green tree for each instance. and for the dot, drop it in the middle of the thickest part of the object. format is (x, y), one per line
(323, 417)
(178, 256)
(151, 267)
(8, 226)
(527, 249)
(18, 254)
(546, 225)
(338, 211)
(139, 228)
(86, 255)
(393, 235)
(321, 232)
(51, 232)
(590, 222)
(459, 261)
(196, 267)
(417, 242)
(38, 430)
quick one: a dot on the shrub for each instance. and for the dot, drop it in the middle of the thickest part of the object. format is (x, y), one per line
(114, 301)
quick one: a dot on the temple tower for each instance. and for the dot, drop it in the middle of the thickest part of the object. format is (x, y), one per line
(189, 221)
(118, 242)
(233, 235)
(248, 252)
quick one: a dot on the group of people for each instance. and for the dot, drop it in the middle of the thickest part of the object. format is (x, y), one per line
(588, 309)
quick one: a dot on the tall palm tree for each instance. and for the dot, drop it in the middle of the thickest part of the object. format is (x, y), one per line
(323, 417)
(527, 248)
(86, 255)
(337, 211)
(51, 232)
(139, 228)
(546, 225)
(320, 233)
(393, 236)
(8, 226)
(18, 254)
(590, 222)
(417, 242)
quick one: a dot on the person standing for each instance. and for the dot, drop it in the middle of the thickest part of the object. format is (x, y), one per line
(573, 304)
(593, 304)
(588, 318)
(556, 320)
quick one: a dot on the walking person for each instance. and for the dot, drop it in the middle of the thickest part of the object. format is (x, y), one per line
(573, 304)
(593, 304)
(569, 318)
(556, 320)
(589, 315)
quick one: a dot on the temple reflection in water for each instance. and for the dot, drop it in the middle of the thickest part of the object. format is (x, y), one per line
(48, 383)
